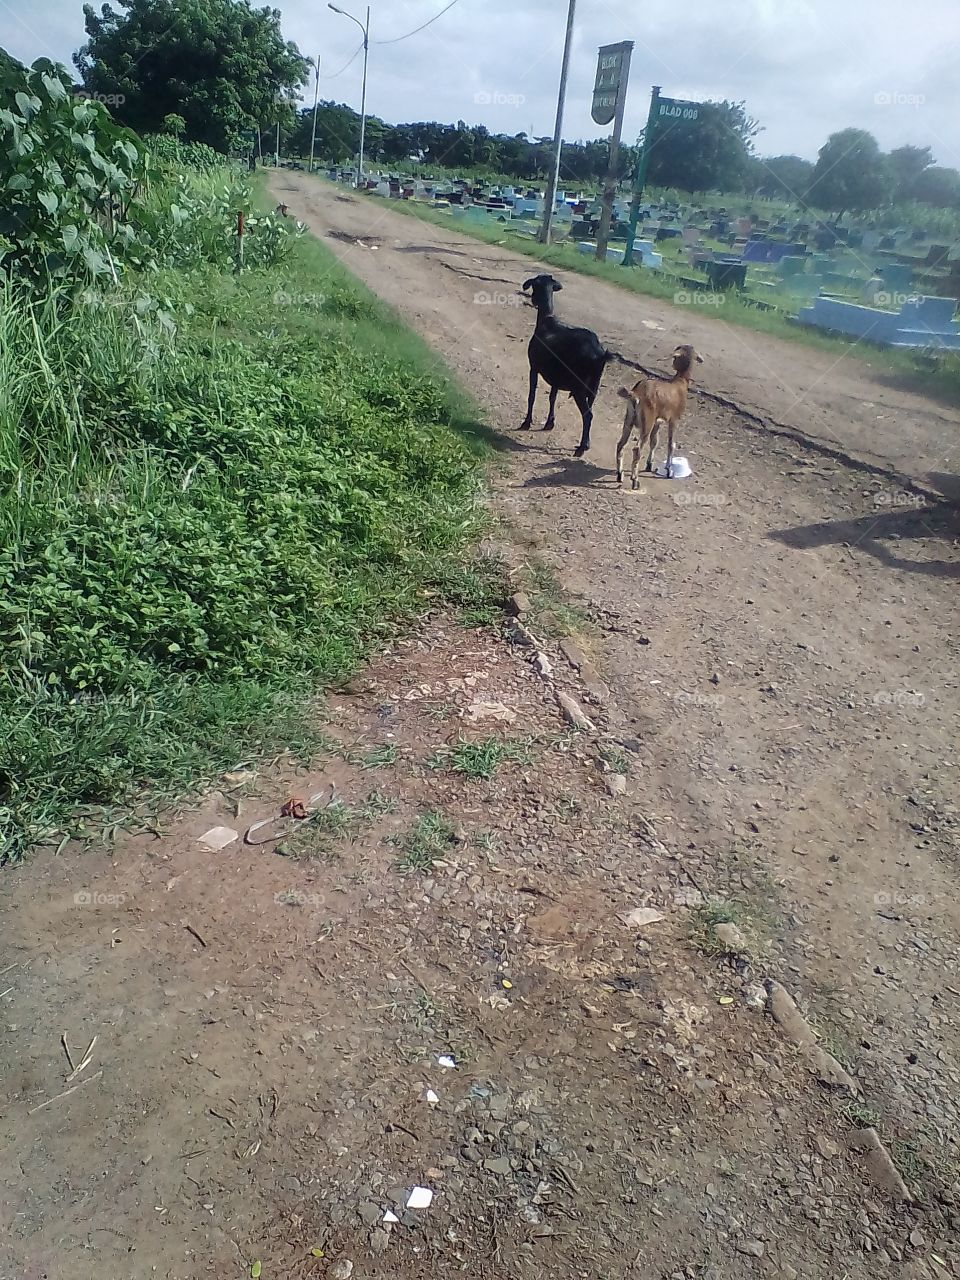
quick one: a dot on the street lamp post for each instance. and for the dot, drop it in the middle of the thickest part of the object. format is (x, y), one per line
(316, 99)
(554, 179)
(363, 98)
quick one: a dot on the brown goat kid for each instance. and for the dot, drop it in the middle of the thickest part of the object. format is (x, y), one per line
(652, 401)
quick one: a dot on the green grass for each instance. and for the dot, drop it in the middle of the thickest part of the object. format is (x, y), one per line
(380, 757)
(480, 759)
(939, 378)
(429, 839)
(205, 515)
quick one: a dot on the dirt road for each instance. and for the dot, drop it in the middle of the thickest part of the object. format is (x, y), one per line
(441, 983)
(797, 698)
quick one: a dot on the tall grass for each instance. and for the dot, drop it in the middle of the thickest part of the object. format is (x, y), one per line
(213, 497)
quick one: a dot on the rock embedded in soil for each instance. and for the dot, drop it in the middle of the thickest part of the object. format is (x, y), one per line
(518, 604)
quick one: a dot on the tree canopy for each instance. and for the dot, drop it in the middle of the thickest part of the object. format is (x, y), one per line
(851, 173)
(221, 65)
(712, 154)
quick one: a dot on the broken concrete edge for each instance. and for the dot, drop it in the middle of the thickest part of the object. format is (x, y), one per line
(877, 1158)
(828, 1071)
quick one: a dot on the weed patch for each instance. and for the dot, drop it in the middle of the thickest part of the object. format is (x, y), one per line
(429, 839)
(480, 759)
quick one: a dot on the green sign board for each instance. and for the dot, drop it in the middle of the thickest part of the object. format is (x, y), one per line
(613, 71)
(676, 111)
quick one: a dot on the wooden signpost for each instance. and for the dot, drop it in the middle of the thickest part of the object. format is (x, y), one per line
(609, 100)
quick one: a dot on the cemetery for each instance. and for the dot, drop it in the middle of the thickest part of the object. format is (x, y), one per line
(896, 288)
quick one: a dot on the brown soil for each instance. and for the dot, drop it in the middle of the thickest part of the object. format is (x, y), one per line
(777, 635)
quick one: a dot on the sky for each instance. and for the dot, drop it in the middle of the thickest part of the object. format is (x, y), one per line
(805, 68)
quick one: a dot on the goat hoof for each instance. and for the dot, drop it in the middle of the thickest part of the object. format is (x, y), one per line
(548, 426)
(580, 450)
(525, 426)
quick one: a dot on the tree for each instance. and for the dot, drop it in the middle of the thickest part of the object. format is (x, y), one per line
(784, 177)
(906, 164)
(712, 153)
(220, 64)
(850, 173)
(939, 187)
(8, 64)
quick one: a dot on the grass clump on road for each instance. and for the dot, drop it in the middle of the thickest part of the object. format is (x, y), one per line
(209, 505)
(429, 839)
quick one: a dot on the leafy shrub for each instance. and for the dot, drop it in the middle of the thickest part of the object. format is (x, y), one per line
(169, 150)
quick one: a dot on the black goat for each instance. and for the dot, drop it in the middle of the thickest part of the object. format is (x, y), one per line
(566, 359)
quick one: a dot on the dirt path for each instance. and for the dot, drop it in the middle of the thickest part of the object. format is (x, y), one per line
(798, 698)
(777, 731)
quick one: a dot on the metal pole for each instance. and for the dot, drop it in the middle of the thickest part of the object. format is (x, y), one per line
(610, 185)
(641, 175)
(316, 98)
(276, 154)
(554, 179)
(363, 99)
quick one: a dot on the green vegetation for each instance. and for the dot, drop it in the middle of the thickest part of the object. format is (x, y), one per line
(480, 759)
(219, 67)
(216, 488)
(429, 839)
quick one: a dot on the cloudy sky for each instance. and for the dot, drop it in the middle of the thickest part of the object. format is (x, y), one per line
(803, 67)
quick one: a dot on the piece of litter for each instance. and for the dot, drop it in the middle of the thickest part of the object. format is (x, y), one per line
(490, 711)
(390, 1216)
(255, 1270)
(726, 1000)
(446, 1061)
(506, 984)
(316, 1253)
(218, 838)
(431, 1097)
(420, 1198)
(679, 470)
(641, 916)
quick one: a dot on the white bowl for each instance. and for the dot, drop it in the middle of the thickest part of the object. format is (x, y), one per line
(680, 471)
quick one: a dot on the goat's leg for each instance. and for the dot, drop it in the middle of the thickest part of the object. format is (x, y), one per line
(584, 404)
(634, 470)
(654, 433)
(551, 421)
(671, 428)
(527, 423)
(629, 423)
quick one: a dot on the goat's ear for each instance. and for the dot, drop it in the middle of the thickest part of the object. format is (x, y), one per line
(557, 286)
(528, 284)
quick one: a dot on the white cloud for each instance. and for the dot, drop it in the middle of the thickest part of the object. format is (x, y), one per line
(804, 67)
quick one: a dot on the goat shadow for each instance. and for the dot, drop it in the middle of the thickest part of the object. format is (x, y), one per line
(568, 471)
(877, 532)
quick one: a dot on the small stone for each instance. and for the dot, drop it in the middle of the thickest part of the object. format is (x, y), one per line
(342, 1269)
(642, 916)
(500, 1166)
(730, 938)
(518, 604)
(574, 714)
(379, 1241)
(615, 783)
(917, 1238)
(827, 1149)
(370, 1214)
(573, 653)
(752, 1247)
